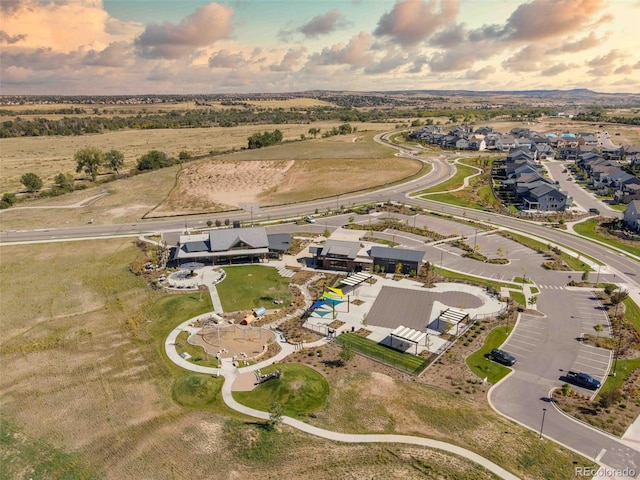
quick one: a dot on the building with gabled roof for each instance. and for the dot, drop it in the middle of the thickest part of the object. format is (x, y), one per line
(387, 259)
(229, 245)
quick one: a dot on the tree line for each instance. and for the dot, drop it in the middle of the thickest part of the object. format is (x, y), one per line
(205, 117)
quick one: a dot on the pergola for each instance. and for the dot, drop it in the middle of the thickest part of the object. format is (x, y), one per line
(455, 317)
(407, 334)
(356, 279)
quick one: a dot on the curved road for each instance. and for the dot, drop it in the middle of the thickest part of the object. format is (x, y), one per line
(529, 383)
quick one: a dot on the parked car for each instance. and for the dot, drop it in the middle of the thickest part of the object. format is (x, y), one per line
(502, 357)
(583, 380)
(309, 220)
(595, 211)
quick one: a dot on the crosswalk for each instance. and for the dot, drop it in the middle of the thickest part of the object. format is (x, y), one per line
(551, 287)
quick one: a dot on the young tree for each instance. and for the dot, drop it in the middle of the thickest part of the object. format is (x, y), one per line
(114, 159)
(8, 199)
(275, 415)
(346, 355)
(89, 160)
(314, 131)
(31, 181)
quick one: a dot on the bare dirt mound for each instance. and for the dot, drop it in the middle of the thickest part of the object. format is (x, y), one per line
(223, 184)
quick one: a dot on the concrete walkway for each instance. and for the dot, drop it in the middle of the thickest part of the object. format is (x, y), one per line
(231, 373)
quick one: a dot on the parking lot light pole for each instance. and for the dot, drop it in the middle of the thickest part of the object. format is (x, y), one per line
(544, 411)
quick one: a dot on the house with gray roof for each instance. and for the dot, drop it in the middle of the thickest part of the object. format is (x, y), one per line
(387, 259)
(631, 217)
(546, 198)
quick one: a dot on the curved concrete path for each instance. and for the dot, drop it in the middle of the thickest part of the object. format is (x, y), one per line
(230, 373)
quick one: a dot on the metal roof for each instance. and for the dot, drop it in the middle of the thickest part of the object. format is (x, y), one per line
(196, 247)
(401, 254)
(279, 241)
(356, 279)
(408, 334)
(225, 239)
(341, 247)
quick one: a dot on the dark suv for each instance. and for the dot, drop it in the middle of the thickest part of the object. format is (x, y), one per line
(502, 357)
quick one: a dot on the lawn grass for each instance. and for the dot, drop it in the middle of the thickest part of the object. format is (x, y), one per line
(483, 282)
(534, 290)
(632, 313)
(462, 171)
(482, 367)
(522, 280)
(404, 361)
(453, 199)
(624, 368)
(250, 286)
(519, 297)
(300, 390)
(573, 262)
(588, 229)
(197, 353)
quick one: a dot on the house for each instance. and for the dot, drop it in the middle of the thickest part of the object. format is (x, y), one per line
(387, 259)
(520, 153)
(544, 151)
(546, 198)
(476, 143)
(631, 217)
(226, 246)
(568, 151)
(628, 193)
(484, 130)
(612, 153)
(462, 144)
(587, 139)
(505, 142)
(523, 142)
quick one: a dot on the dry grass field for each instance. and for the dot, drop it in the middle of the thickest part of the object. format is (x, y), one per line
(48, 156)
(86, 393)
(286, 173)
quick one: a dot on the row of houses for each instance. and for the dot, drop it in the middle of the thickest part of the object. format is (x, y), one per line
(607, 176)
(522, 179)
(565, 146)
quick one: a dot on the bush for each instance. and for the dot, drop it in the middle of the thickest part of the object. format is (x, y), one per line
(154, 160)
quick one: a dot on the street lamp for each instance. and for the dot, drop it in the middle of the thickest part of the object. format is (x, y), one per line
(544, 411)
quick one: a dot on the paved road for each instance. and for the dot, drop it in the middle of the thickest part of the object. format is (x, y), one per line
(581, 197)
(546, 348)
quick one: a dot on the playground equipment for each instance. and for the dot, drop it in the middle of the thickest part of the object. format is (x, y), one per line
(261, 378)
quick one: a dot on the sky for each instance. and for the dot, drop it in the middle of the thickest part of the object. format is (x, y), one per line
(130, 47)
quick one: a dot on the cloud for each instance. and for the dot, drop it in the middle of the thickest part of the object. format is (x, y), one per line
(526, 60)
(452, 36)
(481, 74)
(418, 62)
(585, 43)
(11, 39)
(389, 62)
(38, 59)
(461, 57)
(557, 69)
(623, 69)
(540, 19)
(413, 21)
(203, 27)
(322, 24)
(355, 53)
(291, 58)
(225, 59)
(117, 54)
(606, 60)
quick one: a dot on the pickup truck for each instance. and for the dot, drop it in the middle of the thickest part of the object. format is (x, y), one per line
(583, 380)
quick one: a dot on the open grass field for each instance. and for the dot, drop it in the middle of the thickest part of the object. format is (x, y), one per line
(48, 156)
(300, 390)
(88, 394)
(373, 402)
(247, 287)
(482, 367)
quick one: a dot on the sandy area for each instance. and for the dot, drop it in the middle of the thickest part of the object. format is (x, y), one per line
(225, 184)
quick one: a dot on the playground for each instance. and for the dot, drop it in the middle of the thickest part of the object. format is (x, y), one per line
(239, 342)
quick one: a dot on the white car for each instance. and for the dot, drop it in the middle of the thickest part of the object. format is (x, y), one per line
(309, 220)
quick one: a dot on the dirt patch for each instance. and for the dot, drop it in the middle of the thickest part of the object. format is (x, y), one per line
(223, 184)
